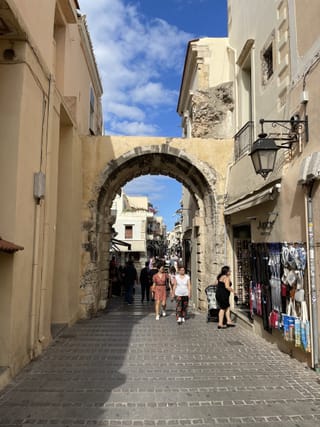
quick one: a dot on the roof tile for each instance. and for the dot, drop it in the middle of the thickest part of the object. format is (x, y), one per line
(9, 247)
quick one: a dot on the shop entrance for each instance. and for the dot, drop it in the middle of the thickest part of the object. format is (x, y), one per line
(242, 270)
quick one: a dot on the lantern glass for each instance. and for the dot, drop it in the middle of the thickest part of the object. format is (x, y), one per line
(263, 156)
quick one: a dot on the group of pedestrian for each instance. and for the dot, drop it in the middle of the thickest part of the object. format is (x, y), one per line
(179, 286)
(156, 281)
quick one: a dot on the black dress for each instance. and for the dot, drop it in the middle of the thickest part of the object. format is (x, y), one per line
(222, 296)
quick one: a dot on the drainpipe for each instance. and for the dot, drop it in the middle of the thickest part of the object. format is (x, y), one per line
(39, 193)
(35, 275)
(311, 281)
(44, 282)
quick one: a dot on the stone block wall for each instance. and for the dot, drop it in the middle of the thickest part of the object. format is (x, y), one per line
(212, 112)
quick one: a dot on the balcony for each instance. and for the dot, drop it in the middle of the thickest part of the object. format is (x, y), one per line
(243, 140)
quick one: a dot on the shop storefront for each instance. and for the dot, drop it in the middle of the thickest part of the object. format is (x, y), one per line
(270, 278)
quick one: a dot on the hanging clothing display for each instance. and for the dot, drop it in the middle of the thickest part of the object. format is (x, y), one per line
(260, 293)
(242, 271)
(275, 275)
(277, 289)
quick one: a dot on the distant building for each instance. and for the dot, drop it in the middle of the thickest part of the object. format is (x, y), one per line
(136, 224)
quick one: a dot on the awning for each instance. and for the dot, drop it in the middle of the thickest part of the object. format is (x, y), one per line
(254, 200)
(116, 242)
(9, 247)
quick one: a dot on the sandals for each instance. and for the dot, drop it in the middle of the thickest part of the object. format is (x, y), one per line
(230, 325)
(222, 327)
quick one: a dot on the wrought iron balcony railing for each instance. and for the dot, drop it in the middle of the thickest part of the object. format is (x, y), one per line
(243, 140)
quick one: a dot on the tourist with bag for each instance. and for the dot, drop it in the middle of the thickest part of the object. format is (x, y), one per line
(182, 292)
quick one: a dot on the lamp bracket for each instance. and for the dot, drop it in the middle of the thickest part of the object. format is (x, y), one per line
(294, 128)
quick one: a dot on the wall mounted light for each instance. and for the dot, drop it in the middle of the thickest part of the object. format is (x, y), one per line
(264, 150)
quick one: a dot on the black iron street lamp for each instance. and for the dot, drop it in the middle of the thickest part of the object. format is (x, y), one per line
(263, 155)
(264, 150)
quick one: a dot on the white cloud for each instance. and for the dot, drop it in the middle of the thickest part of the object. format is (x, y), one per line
(144, 186)
(134, 55)
(126, 111)
(152, 186)
(153, 94)
(133, 128)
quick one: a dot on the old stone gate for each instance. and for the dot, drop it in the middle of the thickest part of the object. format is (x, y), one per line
(110, 162)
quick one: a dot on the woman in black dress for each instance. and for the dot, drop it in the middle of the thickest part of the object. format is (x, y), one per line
(223, 294)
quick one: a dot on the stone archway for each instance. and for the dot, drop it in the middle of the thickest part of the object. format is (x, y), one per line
(198, 176)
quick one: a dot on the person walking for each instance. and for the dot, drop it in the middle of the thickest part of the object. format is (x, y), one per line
(159, 289)
(145, 282)
(172, 275)
(182, 292)
(153, 270)
(224, 288)
(130, 278)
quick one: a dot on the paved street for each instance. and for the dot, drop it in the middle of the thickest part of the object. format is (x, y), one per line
(124, 368)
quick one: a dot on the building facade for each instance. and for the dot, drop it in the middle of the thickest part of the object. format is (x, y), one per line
(50, 95)
(276, 79)
(270, 85)
(137, 224)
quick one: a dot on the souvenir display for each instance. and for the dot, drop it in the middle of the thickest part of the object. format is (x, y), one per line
(276, 287)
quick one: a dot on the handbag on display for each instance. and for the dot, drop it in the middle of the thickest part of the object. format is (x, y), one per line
(289, 321)
(297, 332)
(299, 295)
(274, 319)
(288, 327)
(305, 328)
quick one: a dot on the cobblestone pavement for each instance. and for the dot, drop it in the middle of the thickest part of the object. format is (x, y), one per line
(124, 368)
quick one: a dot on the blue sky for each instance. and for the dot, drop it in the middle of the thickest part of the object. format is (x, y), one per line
(140, 48)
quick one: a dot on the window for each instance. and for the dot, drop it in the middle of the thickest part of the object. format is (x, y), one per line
(267, 64)
(149, 228)
(128, 231)
(244, 85)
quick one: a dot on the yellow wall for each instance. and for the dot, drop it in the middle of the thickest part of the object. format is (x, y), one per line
(40, 133)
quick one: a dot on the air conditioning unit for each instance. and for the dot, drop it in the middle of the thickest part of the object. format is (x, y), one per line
(304, 170)
(313, 171)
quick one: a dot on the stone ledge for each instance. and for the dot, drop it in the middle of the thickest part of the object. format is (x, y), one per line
(243, 318)
(5, 376)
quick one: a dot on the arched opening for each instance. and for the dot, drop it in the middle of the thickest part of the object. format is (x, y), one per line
(153, 222)
(207, 233)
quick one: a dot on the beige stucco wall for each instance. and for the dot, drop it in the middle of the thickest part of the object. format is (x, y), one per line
(77, 78)
(291, 199)
(245, 24)
(307, 25)
(212, 66)
(39, 132)
(65, 301)
(21, 126)
(6, 268)
(36, 17)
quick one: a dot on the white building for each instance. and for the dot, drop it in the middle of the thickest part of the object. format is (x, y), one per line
(136, 224)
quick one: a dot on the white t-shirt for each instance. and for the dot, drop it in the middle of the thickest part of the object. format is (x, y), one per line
(182, 285)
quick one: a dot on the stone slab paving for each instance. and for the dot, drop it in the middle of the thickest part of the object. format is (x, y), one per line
(124, 368)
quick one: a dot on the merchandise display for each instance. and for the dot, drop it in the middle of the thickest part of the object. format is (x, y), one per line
(274, 280)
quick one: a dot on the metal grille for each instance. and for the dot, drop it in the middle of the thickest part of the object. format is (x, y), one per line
(243, 140)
